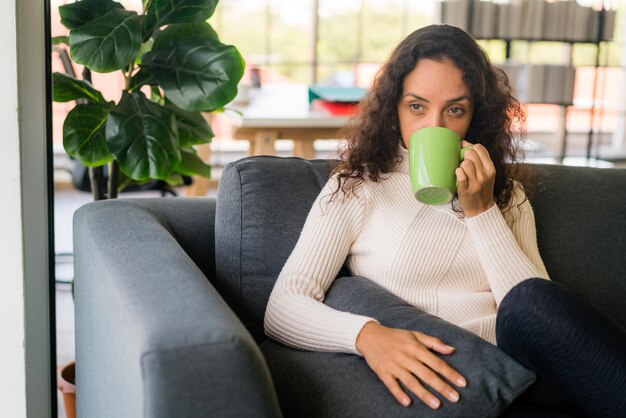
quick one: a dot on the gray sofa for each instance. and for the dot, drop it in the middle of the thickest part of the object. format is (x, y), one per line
(170, 292)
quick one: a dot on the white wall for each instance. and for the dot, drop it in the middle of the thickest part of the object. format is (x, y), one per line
(13, 358)
(25, 386)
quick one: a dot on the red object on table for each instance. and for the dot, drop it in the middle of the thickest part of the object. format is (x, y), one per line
(333, 108)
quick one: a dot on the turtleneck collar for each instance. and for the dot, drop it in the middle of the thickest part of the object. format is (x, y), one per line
(403, 165)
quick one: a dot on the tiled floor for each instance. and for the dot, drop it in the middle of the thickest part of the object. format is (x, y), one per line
(65, 202)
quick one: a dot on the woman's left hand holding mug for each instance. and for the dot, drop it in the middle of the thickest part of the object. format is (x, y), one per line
(476, 177)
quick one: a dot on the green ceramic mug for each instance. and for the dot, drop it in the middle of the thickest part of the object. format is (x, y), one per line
(434, 155)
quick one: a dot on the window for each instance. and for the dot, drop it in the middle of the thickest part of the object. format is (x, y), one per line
(327, 41)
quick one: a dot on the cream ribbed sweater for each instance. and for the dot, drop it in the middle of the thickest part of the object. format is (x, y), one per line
(454, 267)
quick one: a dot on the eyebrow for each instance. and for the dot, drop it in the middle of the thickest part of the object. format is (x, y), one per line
(456, 99)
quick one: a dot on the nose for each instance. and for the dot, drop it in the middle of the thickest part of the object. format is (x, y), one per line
(436, 119)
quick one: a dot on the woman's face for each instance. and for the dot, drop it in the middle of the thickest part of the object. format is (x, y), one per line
(434, 94)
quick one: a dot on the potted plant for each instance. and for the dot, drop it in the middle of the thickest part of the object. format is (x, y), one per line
(174, 67)
(66, 383)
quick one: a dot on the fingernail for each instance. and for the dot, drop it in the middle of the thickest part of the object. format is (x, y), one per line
(406, 401)
(434, 403)
(461, 382)
(454, 397)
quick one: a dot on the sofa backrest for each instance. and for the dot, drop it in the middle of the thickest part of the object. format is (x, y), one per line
(580, 214)
(263, 202)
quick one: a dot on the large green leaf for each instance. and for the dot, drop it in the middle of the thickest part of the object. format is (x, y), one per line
(193, 129)
(83, 134)
(197, 75)
(191, 165)
(77, 14)
(108, 43)
(143, 137)
(180, 32)
(141, 78)
(66, 88)
(175, 179)
(163, 12)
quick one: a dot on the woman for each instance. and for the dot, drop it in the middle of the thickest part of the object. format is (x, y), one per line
(457, 261)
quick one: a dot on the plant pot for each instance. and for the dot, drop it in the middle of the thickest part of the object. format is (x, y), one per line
(66, 383)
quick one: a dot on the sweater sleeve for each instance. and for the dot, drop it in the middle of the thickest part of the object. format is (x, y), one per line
(295, 313)
(509, 254)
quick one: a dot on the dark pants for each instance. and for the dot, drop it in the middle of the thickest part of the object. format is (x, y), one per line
(578, 354)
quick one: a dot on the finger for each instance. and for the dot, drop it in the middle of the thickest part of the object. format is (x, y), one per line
(433, 380)
(470, 171)
(465, 143)
(461, 178)
(485, 159)
(473, 156)
(434, 343)
(479, 171)
(394, 387)
(411, 383)
(444, 369)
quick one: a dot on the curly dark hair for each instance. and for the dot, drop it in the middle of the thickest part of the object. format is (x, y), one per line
(373, 134)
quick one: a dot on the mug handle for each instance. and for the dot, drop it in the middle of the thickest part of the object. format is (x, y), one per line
(463, 151)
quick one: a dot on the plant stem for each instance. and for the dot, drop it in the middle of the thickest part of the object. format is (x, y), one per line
(128, 77)
(114, 179)
(96, 178)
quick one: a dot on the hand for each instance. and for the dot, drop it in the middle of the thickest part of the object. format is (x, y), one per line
(476, 177)
(402, 355)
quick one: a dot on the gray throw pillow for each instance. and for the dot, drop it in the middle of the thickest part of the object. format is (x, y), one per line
(316, 384)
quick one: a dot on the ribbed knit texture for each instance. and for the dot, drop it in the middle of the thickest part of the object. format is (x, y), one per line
(456, 268)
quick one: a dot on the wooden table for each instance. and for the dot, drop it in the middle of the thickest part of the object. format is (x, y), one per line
(271, 113)
(281, 112)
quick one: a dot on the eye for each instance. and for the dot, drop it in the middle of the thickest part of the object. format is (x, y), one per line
(456, 110)
(416, 107)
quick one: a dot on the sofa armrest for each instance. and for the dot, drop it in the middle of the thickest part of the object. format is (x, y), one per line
(191, 221)
(153, 337)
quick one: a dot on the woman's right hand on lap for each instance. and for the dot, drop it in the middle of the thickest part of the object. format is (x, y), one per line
(404, 356)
